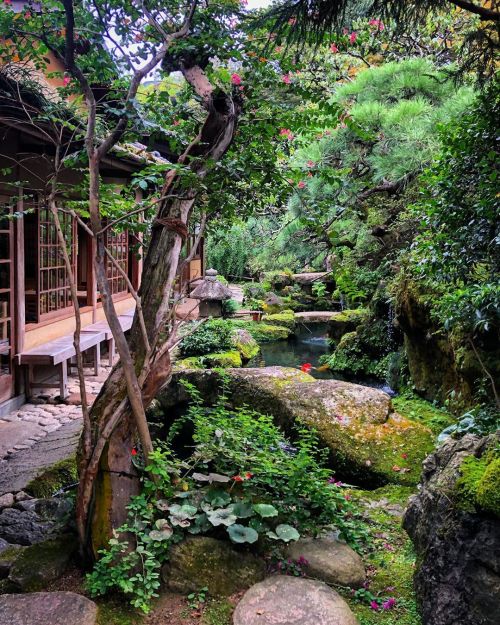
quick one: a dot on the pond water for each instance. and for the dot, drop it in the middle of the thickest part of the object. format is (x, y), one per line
(307, 346)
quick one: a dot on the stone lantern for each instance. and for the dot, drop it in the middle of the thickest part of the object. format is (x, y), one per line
(211, 294)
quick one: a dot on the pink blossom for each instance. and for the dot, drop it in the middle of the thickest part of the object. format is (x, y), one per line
(301, 185)
(286, 79)
(176, 122)
(388, 547)
(374, 606)
(333, 48)
(235, 79)
(352, 37)
(378, 24)
(389, 604)
(66, 81)
(311, 163)
(285, 132)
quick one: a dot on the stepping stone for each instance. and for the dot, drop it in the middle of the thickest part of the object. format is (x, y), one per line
(282, 600)
(47, 608)
(330, 561)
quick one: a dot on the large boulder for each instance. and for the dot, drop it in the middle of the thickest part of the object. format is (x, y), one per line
(47, 608)
(207, 562)
(368, 442)
(281, 600)
(329, 560)
(456, 539)
(40, 564)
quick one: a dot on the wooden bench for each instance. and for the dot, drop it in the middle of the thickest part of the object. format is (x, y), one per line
(59, 353)
(102, 326)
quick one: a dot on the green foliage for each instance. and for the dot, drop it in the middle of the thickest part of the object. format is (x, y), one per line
(481, 420)
(213, 336)
(229, 307)
(242, 480)
(229, 250)
(457, 253)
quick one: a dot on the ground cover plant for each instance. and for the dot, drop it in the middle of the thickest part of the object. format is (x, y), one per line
(242, 480)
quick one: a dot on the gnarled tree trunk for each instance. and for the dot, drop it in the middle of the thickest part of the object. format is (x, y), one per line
(110, 478)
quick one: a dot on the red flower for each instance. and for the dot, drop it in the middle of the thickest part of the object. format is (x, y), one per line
(66, 81)
(352, 37)
(248, 475)
(311, 163)
(235, 79)
(7, 1)
(286, 79)
(237, 478)
(404, 456)
(301, 185)
(307, 366)
(134, 452)
(333, 48)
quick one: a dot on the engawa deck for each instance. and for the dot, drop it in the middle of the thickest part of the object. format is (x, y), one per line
(59, 352)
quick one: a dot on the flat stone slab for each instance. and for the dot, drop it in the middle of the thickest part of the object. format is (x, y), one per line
(329, 560)
(26, 464)
(15, 433)
(282, 600)
(47, 608)
(314, 316)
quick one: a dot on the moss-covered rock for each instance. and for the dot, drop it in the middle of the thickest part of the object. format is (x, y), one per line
(200, 562)
(341, 323)
(39, 564)
(57, 476)
(245, 343)
(193, 362)
(264, 332)
(7, 558)
(478, 487)
(368, 441)
(285, 318)
(231, 358)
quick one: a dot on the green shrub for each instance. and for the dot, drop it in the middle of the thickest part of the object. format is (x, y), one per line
(243, 480)
(213, 336)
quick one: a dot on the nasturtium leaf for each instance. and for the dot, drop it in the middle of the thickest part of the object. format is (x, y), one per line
(222, 516)
(242, 510)
(201, 525)
(258, 525)
(241, 534)
(265, 510)
(284, 532)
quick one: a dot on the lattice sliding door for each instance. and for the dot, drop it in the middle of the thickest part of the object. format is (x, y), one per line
(117, 244)
(53, 285)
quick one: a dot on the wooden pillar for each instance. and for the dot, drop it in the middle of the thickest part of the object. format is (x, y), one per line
(138, 265)
(93, 281)
(19, 285)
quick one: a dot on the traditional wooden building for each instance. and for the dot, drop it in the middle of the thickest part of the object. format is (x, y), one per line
(36, 313)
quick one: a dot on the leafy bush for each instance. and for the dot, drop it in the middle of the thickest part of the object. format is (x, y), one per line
(229, 307)
(215, 335)
(243, 480)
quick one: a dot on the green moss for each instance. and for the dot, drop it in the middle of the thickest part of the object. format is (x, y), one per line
(230, 358)
(114, 611)
(423, 412)
(285, 318)
(264, 332)
(390, 557)
(217, 612)
(478, 486)
(354, 315)
(193, 362)
(244, 342)
(57, 476)
(488, 489)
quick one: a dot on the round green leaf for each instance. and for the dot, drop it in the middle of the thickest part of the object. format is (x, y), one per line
(242, 510)
(265, 510)
(222, 516)
(241, 534)
(284, 532)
